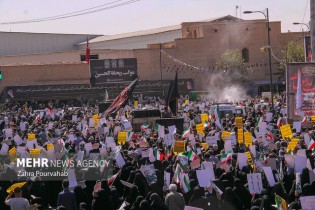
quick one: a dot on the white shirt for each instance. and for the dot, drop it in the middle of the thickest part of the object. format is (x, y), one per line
(17, 203)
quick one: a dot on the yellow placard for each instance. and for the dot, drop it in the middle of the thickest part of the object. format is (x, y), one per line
(122, 137)
(248, 139)
(31, 136)
(204, 117)
(50, 147)
(95, 117)
(292, 144)
(12, 151)
(286, 131)
(179, 146)
(240, 135)
(313, 119)
(239, 122)
(225, 134)
(249, 159)
(96, 121)
(35, 152)
(186, 101)
(135, 103)
(205, 145)
(200, 128)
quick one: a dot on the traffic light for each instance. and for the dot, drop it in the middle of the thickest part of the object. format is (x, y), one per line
(0, 75)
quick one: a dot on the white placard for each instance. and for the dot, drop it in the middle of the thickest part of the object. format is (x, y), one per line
(228, 147)
(18, 140)
(30, 144)
(172, 129)
(22, 126)
(161, 131)
(169, 139)
(8, 132)
(242, 160)
(117, 129)
(127, 125)
(301, 152)
(88, 147)
(262, 128)
(80, 155)
(299, 163)
(4, 149)
(254, 183)
(232, 139)
(72, 178)
(307, 139)
(289, 159)
(253, 150)
(308, 202)
(91, 123)
(119, 160)
(269, 175)
(203, 178)
(211, 140)
(297, 126)
(268, 116)
(167, 180)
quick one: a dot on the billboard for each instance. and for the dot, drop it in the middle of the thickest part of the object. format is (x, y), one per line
(113, 70)
(308, 88)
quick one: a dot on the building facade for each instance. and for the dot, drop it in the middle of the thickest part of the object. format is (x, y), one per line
(192, 49)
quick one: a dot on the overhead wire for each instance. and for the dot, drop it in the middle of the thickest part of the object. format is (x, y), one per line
(74, 14)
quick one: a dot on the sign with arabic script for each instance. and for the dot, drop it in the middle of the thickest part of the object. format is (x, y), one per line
(113, 70)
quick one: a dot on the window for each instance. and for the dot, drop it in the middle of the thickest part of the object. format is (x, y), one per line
(83, 57)
(245, 55)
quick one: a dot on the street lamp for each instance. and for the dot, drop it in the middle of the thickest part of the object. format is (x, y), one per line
(266, 14)
(308, 27)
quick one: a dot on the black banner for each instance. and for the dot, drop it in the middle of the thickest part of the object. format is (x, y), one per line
(145, 88)
(113, 70)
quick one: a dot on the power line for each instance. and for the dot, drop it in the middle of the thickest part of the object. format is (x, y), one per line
(74, 14)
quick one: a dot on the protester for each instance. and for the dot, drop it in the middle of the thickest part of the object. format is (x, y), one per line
(216, 161)
(18, 202)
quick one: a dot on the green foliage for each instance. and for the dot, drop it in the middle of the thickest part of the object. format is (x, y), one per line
(293, 52)
(231, 60)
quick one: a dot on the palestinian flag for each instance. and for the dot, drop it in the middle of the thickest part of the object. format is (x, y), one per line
(281, 203)
(192, 155)
(144, 126)
(112, 178)
(217, 117)
(226, 157)
(185, 183)
(158, 155)
(37, 117)
(186, 133)
(311, 146)
(260, 119)
(279, 122)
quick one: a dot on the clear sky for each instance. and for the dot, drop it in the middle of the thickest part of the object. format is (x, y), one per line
(141, 15)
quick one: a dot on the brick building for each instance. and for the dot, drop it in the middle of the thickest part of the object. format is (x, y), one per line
(192, 48)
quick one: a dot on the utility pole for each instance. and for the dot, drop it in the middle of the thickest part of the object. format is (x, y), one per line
(312, 25)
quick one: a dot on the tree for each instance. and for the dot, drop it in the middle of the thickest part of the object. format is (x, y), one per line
(293, 52)
(232, 64)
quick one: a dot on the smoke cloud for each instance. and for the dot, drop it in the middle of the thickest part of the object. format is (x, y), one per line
(225, 87)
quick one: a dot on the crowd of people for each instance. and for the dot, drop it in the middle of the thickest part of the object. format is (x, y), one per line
(160, 167)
